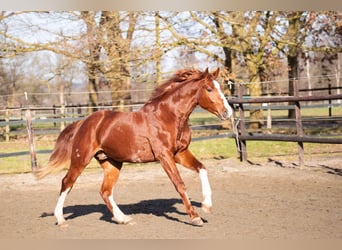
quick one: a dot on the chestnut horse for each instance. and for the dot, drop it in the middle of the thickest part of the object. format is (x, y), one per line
(159, 131)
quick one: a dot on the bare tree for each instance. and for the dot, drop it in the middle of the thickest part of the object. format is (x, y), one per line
(92, 57)
(242, 37)
(116, 43)
(305, 32)
(103, 45)
(249, 45)
(295, 41)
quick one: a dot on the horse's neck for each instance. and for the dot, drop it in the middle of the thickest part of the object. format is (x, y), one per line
(181, 104)
(186, 106)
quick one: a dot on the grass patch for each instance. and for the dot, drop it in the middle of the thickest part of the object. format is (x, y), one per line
(22, 163)
(220, 148)
(226, 148)
(203, 118)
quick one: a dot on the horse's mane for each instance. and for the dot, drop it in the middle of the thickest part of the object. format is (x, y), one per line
(175, 82)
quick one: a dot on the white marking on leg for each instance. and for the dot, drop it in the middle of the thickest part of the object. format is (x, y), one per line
(59, 207)
(225, 102)
(119, 216)
(206, 190)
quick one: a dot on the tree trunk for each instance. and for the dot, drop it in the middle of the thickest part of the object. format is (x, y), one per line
(117, 48)
(292, 62)
(93, 58)
(255, 90)
(228, 61)
(293, 36)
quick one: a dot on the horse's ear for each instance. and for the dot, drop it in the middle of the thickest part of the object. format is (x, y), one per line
(216, 73)
(206, 72)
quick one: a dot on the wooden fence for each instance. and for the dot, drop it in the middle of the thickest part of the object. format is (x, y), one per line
(242, 136)
(60, 115)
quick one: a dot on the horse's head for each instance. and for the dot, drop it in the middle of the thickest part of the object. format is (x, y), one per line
(211, 96)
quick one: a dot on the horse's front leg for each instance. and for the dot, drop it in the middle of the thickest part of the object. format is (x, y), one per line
(187, 159)
(169, 165)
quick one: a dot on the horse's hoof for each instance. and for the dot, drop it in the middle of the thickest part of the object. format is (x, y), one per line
(63, 225)
(61, 222)
(132, 222)
(197, 222)
(206, 209)
(127, 220)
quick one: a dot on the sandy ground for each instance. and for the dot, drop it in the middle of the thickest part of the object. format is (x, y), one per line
(270, 199)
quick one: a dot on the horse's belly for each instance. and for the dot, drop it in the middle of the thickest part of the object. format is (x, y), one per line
(130, 152)
(141, 155)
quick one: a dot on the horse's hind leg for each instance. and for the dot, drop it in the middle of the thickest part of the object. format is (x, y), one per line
(77, 165)
(67, 183)
(59, 207)
(111, 170)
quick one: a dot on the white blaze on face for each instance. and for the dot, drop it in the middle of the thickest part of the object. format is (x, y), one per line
(226, 105)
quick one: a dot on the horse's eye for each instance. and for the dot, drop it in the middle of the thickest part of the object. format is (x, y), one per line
(209, 89)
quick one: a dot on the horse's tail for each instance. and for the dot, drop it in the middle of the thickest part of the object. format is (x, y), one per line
(61, 154)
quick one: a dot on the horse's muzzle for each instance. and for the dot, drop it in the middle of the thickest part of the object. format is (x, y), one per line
(226, 114)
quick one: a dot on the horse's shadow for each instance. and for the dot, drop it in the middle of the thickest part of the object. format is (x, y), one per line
(157, 207)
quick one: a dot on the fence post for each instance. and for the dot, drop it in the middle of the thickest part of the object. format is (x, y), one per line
(61, 99)
(269, 114)
(242, 126)
(329, 92)
(299, 124)
(30, 136)
(7, 128)
(79, 110)
(54, 115)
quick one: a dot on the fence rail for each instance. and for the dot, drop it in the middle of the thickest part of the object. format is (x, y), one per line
(242, 136)
(62, 114)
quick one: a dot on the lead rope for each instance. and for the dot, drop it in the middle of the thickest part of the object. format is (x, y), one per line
(235, 124)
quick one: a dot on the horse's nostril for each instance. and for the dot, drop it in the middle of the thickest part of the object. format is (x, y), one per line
(226, 114)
